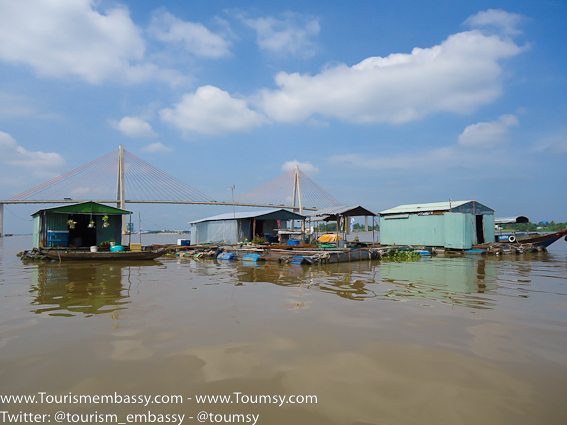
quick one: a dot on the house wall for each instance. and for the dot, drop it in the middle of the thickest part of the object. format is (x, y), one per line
(449, 230)
(222, 231)
(112, 233)
(426, 230)
(489, 231)
(36, 230)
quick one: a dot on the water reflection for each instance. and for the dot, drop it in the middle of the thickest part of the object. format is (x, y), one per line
(455, 281)
(69, 289)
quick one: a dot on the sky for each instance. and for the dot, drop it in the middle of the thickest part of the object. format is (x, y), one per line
(381, 103)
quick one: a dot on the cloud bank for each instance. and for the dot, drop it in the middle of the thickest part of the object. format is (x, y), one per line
(39, 164)
(69, 38)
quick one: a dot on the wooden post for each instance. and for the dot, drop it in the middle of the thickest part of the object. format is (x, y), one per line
(1, 219)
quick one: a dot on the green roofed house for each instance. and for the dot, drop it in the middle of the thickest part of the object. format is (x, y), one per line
(453, 224)
(77, 225)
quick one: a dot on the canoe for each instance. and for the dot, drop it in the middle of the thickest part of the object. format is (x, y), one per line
(103, 256)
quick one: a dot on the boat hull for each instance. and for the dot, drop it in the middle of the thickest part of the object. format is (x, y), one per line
(543, 240)
(103, 256)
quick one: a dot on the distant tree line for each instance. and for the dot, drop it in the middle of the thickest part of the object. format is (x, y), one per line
(533, 227)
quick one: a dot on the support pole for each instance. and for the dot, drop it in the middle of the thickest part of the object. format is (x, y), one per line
(294, 195)
(298, 180)
(122, 191)
(1, 219)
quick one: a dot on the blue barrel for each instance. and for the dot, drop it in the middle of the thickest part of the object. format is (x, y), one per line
(251, 257)
(226, 256)
(293, 242)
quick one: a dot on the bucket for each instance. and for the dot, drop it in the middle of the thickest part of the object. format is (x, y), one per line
(94, 249)
(116, 248)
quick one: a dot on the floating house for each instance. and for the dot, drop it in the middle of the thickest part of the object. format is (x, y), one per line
(77, 225)
(231, 228)
(453, 224)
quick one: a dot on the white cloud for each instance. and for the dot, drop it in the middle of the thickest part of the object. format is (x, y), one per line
(498, 19)
(457, 76)
(436, 160)
(157, 147)
(555, 144)
(41, 164)
(293, 34)
(306, 167)
(488, 134)
(136, 127)
(195, 37)
(211, 111)
(63, 38)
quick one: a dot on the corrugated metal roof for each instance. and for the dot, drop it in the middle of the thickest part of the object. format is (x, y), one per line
(85, 208)
(283, 215)
(434, 206)
(351, 211)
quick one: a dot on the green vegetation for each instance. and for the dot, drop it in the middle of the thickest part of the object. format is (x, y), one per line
(533, 227)
(259, 240)
(405, 255)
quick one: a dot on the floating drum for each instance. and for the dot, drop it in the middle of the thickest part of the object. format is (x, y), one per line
(252, 258)
(226, 256)
(293, 242)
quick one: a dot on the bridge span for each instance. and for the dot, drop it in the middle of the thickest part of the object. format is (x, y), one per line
(122, 178)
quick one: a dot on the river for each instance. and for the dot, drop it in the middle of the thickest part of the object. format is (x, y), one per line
(465, 340)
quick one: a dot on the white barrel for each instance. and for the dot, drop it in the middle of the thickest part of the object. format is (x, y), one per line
(94, 249)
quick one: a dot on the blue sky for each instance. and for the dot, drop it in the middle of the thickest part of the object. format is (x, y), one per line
(381, 103)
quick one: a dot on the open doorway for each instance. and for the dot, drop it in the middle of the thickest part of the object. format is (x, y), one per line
(82, 235)
(479, 229)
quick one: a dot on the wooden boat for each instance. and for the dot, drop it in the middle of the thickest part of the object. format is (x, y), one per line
(537, 239)
(57, 254)
(542, 239)
(320, 256)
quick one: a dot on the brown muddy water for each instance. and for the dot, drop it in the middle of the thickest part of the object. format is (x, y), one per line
(469, 340)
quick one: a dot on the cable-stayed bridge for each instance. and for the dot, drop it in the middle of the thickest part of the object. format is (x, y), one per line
(122, 178)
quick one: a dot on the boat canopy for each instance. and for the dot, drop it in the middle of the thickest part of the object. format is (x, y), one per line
(508, 220)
